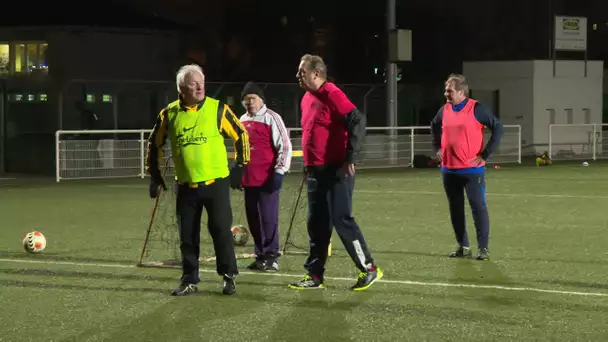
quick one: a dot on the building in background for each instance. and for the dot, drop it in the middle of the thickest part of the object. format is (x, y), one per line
(55, 76)
(112, 63)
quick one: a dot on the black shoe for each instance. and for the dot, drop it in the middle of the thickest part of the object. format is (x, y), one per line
(184, 289)
(308, 283)
(461, 252)
(483, 254)
(366, 279)
(229, 285)
(257, 265)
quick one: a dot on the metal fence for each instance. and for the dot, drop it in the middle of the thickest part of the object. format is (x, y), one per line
(132, 104)
(122, 153)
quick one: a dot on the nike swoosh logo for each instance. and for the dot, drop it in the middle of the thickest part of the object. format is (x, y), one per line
(190, 143)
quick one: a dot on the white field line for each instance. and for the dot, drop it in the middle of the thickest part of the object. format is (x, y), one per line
(577, 180)
(407, 192)
(387, 281)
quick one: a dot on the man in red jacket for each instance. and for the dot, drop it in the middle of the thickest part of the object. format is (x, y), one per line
(270, 159)
(332, 130)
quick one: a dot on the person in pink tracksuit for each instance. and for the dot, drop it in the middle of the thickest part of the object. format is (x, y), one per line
(271, 153)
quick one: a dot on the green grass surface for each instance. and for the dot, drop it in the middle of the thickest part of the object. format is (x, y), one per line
(546, 279)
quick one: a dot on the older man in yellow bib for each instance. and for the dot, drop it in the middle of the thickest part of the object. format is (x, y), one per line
(196, 125)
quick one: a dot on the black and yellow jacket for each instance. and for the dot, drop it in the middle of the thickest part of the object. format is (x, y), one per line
(197, 135)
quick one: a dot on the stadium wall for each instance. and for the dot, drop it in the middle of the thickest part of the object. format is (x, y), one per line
(529, 94)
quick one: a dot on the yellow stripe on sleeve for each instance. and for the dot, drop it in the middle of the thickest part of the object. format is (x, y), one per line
(232, 127)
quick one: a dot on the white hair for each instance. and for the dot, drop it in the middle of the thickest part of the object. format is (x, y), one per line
(184, 71)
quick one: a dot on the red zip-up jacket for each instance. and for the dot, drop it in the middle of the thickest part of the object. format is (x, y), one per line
(332, 127)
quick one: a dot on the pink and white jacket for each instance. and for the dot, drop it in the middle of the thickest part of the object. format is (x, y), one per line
(269, 145)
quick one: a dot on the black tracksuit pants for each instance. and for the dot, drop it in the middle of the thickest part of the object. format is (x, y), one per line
(215, 199)
(473, 183)
(330, 197)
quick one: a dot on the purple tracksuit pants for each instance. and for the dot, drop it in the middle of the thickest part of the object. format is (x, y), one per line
(262, 209)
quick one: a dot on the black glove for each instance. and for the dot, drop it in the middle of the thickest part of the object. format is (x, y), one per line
(155, 183)
(277, 181)
(236, 176)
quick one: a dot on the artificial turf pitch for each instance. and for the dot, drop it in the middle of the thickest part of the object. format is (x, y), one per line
(546, 279)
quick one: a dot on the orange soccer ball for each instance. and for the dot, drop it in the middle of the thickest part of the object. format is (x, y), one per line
(34, 242)
(240, 234)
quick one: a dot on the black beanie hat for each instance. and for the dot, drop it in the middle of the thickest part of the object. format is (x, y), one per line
(252, 88)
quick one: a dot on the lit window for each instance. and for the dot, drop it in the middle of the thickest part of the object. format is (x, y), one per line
(42, 62)
(107, 98)
(31, 97)
(42, 97)
(20, 58)
(4, 58)
(30, 57)
(90, 98)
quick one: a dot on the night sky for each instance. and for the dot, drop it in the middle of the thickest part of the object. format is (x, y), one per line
(267, 37)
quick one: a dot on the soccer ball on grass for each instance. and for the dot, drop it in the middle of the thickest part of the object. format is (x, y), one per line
(240, 234)
(34, 242)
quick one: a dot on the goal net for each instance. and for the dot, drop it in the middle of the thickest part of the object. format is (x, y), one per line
(509, 149)
(574, 141)
(161, 244)
(94, 154)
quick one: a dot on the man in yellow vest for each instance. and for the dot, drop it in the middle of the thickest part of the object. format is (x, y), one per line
(196, 125)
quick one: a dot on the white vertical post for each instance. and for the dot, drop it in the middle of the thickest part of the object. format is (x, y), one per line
(412, 152)
(391, 84)
(142, 155)
(57, 156)
(519, 144)
(594, 142)
(550, 142)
